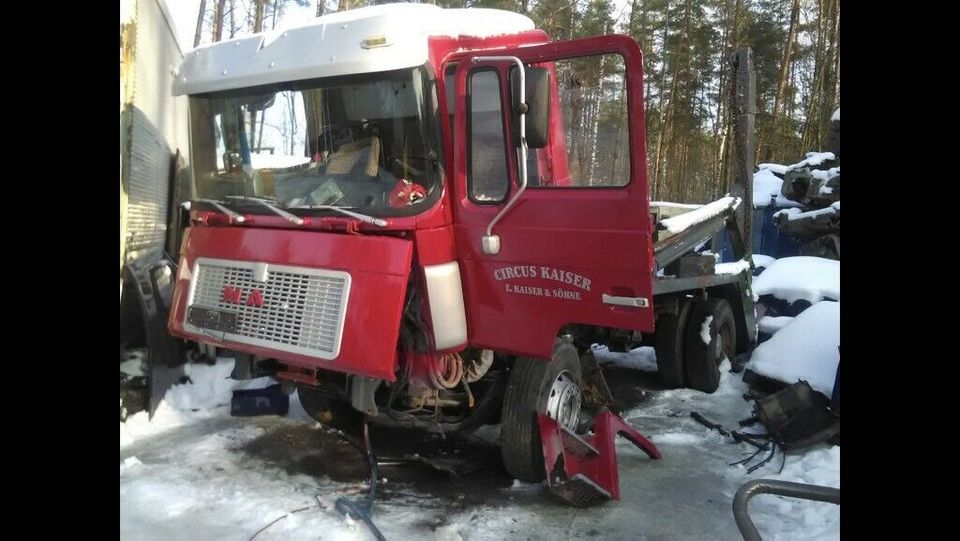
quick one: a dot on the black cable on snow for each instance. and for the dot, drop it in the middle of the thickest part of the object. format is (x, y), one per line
(362, 509)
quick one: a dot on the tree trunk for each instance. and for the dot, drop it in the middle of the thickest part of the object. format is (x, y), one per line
(258, 16)
(782, 82)
(233, 22)
(218, 20)
(320, 7)
(813, 106)
(344, 5)
(203, 11)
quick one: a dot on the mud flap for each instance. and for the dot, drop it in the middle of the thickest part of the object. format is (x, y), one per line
(582, 470)
(165, 354)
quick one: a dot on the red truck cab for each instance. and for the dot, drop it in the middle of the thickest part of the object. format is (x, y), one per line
(366, 226)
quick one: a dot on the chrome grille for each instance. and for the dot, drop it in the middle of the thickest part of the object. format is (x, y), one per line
(302, 312)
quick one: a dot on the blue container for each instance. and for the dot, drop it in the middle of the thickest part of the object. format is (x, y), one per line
(767, 238)
(252, 402)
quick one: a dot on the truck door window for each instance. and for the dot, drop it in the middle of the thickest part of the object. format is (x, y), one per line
(488, 178)
(590, 148)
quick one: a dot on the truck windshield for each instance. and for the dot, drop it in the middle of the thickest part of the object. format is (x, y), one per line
(368, 143)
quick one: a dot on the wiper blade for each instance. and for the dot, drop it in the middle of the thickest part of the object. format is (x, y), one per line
(362, 217)
(234, 216)
(292, 218)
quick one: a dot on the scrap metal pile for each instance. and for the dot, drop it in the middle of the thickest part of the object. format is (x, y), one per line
(815, 184)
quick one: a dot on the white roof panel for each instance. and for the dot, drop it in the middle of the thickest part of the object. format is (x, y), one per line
(331, 45)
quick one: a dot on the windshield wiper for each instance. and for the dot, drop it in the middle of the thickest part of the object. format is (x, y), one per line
(292, 218)
(362, 217)
(234, 216)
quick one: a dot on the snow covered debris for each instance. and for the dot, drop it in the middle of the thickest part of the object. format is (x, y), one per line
(802, 277)
(771, 324)
(766, 188)
(702, 214)
(643, 358)
(705, 330)
(796, 214)
(806, 348)
(813, 159)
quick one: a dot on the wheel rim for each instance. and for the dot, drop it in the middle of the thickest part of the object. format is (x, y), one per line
(724, 344)
(563, 402)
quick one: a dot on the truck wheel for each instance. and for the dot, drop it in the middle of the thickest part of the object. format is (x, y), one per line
(330, 412)
(670, 336)
(703, 359)
(536, 385)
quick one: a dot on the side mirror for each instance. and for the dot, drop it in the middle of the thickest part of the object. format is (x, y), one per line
(538, 104)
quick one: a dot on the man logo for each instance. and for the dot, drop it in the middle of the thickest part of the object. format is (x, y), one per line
(234, 295)
(255, 298)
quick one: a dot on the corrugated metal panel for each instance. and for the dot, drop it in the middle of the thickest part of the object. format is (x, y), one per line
(158, 127)
(147, 207)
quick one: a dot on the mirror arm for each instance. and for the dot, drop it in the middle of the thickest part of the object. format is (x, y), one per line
(491, 242)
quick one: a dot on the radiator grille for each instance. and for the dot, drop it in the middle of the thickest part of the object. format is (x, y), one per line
(302, 310)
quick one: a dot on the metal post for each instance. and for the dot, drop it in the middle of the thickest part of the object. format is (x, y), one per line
(744, 105)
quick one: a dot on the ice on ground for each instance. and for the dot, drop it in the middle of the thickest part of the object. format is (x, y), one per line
(766, 189)
(643, 358)
(681, 222)
(705, 330)
(201, 482)
(789, 518)
(771, 324)
(801, 277)
(805, 348)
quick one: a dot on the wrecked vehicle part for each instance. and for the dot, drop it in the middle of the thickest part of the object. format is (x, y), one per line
(582, 470)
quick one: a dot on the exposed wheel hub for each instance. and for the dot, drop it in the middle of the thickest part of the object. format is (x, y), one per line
(563, 403)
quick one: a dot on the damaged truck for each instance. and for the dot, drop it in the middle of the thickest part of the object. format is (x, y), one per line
(429, 215)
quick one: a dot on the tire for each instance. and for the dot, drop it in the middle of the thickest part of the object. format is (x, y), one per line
(703, 360)
(670, 337)
(528, 392)
(330, 412)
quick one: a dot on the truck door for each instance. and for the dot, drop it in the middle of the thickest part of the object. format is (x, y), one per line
(574, 241)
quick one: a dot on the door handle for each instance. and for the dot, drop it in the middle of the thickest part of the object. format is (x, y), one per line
(635, 302)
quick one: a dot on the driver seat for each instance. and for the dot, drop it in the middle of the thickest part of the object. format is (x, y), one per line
(348, 156)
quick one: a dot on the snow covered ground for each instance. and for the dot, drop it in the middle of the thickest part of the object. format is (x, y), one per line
(195, 472)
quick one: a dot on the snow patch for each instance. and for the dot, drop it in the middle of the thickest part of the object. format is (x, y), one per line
(207, 394)
(678, 438)
(802, 277)
(760, 260)
(806, 348)
(705, 330)
(735, 267)
(702, 214)
(771, 324)
(133, 363)
(767, 188)
(835, 116)
(129, 463)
